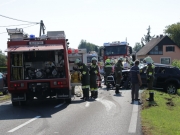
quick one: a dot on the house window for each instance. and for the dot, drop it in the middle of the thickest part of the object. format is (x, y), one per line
(170, 48)
(156, 50)
(165, 61)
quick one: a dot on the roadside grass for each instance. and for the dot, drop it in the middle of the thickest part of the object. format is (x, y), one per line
(161, 116)
(4, 97)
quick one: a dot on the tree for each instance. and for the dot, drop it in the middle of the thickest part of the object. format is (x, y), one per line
(89, 46)
(3, 60)
(137, 47)
(147, 37)
(173, 31)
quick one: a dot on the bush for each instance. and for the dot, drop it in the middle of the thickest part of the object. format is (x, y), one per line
(176, 63)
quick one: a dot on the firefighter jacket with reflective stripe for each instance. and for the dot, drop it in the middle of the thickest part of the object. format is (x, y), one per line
(118, 69)
(108, 69)
(85, 74)
(94, 71)
(150, 72)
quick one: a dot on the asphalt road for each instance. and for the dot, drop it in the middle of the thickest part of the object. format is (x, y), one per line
(109, 114)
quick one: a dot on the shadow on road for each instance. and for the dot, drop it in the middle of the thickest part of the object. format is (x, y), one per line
(45, 109)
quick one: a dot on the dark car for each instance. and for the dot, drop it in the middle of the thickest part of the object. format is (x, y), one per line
(166, 77)
(3, 89)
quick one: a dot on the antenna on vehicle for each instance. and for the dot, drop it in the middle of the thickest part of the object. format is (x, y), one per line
(42, 28)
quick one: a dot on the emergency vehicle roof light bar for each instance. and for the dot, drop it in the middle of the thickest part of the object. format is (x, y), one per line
(56, 35)
(15, 31)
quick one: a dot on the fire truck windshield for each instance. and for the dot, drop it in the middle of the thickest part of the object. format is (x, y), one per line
(115, 50)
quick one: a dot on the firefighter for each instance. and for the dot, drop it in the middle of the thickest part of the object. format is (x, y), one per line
(118, 74)
(84, 78)
(150, 77)
(94, 71)
(107, 69)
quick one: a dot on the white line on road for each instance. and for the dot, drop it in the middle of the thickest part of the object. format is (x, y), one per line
(59, 105)
(20, 126)
(133, 122)
(108, 104)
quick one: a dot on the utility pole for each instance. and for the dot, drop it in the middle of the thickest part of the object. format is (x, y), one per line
(42, 28)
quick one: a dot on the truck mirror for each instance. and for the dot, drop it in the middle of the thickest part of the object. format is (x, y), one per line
(130, 50)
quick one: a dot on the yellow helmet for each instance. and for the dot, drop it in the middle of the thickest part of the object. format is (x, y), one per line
(108, 61)
(148, 60)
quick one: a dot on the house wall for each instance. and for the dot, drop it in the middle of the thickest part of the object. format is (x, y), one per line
(157, 58)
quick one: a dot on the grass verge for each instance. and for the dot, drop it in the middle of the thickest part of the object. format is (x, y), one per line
(4, 97)
(161, 116)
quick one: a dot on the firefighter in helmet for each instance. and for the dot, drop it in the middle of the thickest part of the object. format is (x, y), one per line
(107, 69)
(84, 78)
(118, 74)
(150, 76)
(94, 71)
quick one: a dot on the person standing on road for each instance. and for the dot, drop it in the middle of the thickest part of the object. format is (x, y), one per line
(94, 71)
(118, 74)
(84, 78)
(136, 81)
(107, 69)
(150, 77)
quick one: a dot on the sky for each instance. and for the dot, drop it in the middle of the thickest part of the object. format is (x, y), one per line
(96, 21)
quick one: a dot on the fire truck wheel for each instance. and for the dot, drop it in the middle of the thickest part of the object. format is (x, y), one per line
(15, 103)
(68, 101)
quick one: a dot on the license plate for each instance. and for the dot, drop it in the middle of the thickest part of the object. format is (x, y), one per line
(38, 83)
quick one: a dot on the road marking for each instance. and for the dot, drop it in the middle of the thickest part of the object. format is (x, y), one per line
(20, 126)
(134, 117)
(59, 105)
(108, 104)
(87, 104)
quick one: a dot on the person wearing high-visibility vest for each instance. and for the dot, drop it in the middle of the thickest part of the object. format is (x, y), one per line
(107, 69)
(94, 71)
(85, 79)
(150, 77)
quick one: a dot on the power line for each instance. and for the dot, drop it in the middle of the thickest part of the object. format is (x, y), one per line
(16, 19)
(23, 28)
(15, 25)
(30, 25)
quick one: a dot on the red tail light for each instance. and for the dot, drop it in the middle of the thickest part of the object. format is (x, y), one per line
(15, 85)
(61, 82)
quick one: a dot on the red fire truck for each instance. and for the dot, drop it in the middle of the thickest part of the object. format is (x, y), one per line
(38, 67)
(114, 50)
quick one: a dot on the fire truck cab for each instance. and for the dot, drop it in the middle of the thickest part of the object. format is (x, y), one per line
(114, 50)
(38, 67)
